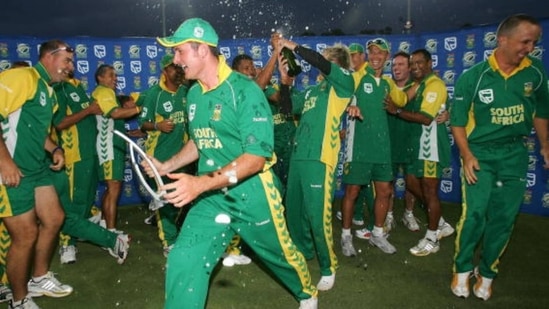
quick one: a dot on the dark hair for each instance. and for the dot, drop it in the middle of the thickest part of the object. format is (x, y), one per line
(238, 59)
(510, 23)
(52, 46)
(402, 54)
(424, 52)
(19, 64)
(101, 70)
(123, 98)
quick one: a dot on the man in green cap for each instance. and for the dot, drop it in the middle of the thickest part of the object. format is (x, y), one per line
(163, 117)
(231, 136)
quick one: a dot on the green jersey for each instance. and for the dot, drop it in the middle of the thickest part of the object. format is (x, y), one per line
(398, 132)
(368, 139)
(284, 127)
(161, 104)
(229, 120)
(27, 104)
(320, 108)
(493, 106)
(77, 139)
(430, 143)
(107, 144)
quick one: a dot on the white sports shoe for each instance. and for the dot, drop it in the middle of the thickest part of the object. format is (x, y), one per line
(230, 260)
(389, 224)
(326, 282)
(5, 293)
(25, 303)
(483, 287)
(347, 246)
(364, 233)
(444, 230)
(67, 254)
(358, 222)
(309, 303)
(411, 222)
(48, 286)
(460, 284)
(425, 247)
(382, 243)
(121, 248)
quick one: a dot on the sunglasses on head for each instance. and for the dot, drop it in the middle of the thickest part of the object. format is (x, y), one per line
(375, 42)
(68, 49)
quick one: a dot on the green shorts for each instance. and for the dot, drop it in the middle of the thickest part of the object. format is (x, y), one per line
(113, 169)
(424, 169)
(363, 173)
(19, 200)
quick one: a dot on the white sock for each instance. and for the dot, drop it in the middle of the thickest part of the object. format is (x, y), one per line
(37, 279)
(390, 213)
(431, 235)
(409, 213)
(345, 232)
(378, 231)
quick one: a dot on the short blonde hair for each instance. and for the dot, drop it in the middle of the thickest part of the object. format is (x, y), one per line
(339, 54)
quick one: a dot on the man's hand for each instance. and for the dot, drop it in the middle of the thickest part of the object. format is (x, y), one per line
(183, 190)
(470, 165)
(157, 164)
(10, 173)
(354, 112)
(58, 160)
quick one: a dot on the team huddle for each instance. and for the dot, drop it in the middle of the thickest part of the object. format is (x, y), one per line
(253, 162)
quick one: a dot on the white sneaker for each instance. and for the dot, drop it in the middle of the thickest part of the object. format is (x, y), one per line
(483, 287)
(411, 222)
(364, 233)
(460, 284)
(382, 243)
(121, 248)
(357, 222)
(67, 254)
(25, 303)
(5, 293)
(326, 282)
(339, 215)
(309, 303)
(96, 218)
(389, 223)
(425, 247)
(347, 246)
(444, 230)
(48, 286)
(230, 260)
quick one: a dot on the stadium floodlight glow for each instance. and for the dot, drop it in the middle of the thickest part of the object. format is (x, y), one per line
(157, 196)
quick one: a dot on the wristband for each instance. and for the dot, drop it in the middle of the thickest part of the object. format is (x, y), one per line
(155, 126)
(57, 148)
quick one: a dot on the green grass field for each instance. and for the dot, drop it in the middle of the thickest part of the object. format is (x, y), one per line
(370, 280)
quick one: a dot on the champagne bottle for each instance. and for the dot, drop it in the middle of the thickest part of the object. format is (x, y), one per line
(293, 67)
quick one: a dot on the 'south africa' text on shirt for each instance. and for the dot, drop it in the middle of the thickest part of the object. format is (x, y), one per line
(206, 138)
(507, 115)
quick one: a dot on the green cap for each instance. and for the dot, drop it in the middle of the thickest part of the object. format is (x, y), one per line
(191, 30)
(166, 60)
(356, 48)
(380, 43)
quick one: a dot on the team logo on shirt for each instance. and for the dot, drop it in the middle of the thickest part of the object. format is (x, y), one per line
(43, 100)
(216, 116)
(168, 107)
(431, 97)
(192, 111)
(528, 88)
(368, 88)
(74, 97)
(486, 96)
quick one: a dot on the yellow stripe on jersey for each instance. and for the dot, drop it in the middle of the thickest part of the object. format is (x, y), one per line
(459, 225)
(291, 254)
(331, 140)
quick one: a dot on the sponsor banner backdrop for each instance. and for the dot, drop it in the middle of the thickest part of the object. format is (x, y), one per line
(137, 64)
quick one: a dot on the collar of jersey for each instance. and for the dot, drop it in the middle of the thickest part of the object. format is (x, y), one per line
(43, 72)
(526, 62)
(223, 71)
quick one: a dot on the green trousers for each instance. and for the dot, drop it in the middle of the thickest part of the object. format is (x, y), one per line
(490, 206)
(309, 198)
(252, 209)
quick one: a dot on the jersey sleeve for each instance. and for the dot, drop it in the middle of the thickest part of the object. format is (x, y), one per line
(342, 80)
(542, 93)
(147, 109)
(256, 123)
(106, 99)
(463, 99)
(17, 86)
(434, 97)
(397, 95)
